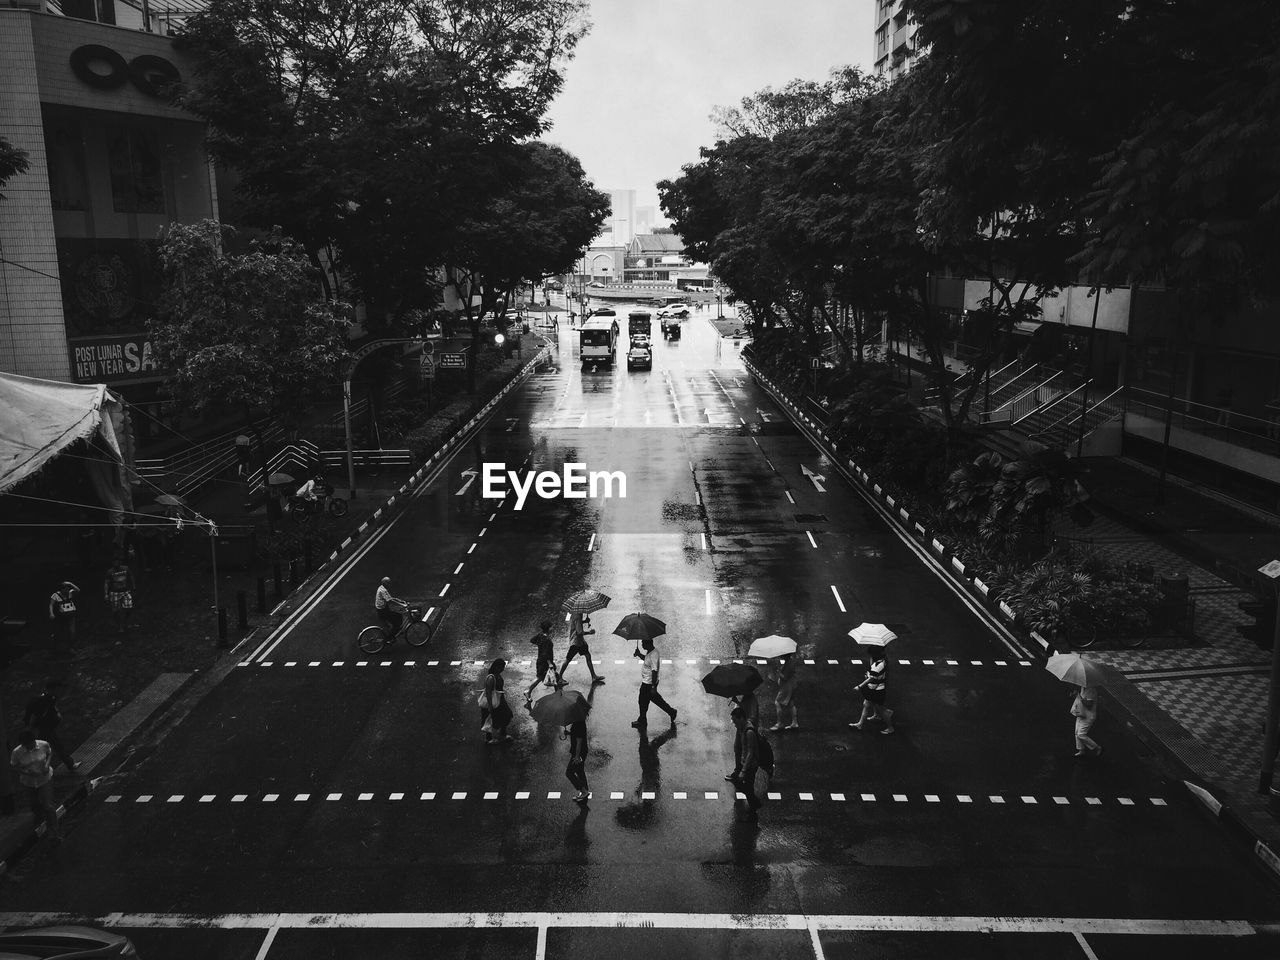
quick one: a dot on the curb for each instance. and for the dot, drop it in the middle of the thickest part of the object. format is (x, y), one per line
(950, 565)
(955, 570)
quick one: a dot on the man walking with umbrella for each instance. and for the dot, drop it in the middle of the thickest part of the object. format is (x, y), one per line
(579, 606)
(649, 686)
(568, 709)
(1086, 675)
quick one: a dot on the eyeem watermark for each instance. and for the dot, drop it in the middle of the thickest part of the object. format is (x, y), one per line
(572, 483)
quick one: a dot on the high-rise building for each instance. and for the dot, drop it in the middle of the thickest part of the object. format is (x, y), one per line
(646, 220)
(895, 39)
(621, 225)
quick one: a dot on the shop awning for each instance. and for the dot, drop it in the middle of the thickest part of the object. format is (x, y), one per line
(39, 419)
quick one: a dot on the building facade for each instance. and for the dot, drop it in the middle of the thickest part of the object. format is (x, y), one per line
(111, 163)
(894, 44)
(620, 227)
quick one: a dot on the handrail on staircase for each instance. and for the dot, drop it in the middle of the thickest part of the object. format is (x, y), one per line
(1052, 403)
(1005, 413)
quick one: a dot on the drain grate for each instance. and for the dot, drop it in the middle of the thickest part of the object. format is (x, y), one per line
(811, 518)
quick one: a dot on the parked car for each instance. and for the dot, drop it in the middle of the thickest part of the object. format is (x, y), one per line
(64, 943)
(679, 311)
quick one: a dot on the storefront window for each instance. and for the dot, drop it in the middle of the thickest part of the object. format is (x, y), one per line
(67, 189)
(137, 184)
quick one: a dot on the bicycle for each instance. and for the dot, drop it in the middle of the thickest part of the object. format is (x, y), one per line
(414, 628)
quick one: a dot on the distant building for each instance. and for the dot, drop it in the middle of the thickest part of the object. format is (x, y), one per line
(646, 219)
(659, 257)
(895, 39)
(620, 227)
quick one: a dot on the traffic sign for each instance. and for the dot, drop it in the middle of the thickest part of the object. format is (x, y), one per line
(815, 363)
(428, 368)
(453, 361)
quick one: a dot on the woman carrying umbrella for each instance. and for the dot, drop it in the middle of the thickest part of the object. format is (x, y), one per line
(494, 712)
(1084, 707)
(1086, 676)
(873, 687)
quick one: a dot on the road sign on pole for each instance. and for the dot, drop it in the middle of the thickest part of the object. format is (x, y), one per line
(815, 363)
(453, 361)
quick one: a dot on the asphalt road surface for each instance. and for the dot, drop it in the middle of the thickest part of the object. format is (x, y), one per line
(323, 803)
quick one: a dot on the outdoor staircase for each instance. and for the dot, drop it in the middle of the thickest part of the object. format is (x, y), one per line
(1095, 431)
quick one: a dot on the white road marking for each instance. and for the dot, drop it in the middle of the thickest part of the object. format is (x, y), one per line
(839, 602)
(1084, 945)
(471, 549)
(1091, 926)
(812, 541)
(457, 570)
(709, 610)
(704, 540)
(790, 497)
(591, 544)
(445, 589)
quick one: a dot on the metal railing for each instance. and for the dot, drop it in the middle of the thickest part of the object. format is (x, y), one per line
(186, 471)
(1065, 433)
(1219, 423)
(1056, 411)
(1024, 403)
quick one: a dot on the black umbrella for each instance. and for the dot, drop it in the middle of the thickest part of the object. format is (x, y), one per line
(561, 708)
(732, 680)
(639, 626)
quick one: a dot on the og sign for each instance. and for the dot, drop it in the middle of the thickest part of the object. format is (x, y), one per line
(105, 69)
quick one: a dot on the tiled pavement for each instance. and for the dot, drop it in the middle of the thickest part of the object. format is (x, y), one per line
(1223, 711)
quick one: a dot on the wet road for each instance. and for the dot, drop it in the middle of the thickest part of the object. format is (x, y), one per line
(324, 803)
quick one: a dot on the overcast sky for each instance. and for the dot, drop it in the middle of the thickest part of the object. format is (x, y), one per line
(639, 92)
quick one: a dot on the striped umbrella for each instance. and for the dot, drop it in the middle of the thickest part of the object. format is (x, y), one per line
(585, 601)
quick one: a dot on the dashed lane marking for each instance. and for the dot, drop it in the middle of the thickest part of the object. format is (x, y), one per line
(812, 542)
(803, 796)
(687, 661)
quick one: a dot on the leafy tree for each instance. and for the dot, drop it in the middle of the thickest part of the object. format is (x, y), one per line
(532, 214)
(12, 162)
(246, 330)
(799, 104)
(356, 124)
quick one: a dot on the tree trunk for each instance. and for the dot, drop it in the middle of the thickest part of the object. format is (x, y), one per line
(272, 506)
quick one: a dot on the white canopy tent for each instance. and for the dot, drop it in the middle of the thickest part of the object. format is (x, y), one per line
(41, 419)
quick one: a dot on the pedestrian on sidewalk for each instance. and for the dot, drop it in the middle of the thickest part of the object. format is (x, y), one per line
(494, 712)
(118, 591)
(576, 771)
(1084, 707)
(785, 677)
(579, 629)
(649, 686)
(62, 612)
(546, 660)
(873, 687)
(32, 759)
(42, 715)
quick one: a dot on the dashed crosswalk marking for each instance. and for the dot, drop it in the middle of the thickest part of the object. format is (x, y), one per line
(805, 796)
(685, 661)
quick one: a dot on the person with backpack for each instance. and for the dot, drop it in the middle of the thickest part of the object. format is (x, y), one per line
(42, 716)
(62, 611)
(118, 591)
(546, 660)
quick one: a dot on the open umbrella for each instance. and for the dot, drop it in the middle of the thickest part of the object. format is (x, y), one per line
(585, 601)
(639, 626)
(561, 708)
(279, 479)
(1073, 668)
(872, 634)
(171, 500)
(731, 680)
(766, 648)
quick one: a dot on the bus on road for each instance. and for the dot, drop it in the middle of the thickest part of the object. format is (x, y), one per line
(596, 340)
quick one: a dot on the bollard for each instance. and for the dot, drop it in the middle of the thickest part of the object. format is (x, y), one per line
(294, 578)
(262, 595)
(242, 611)
(275, 575)
(307, 565)
(222, 628)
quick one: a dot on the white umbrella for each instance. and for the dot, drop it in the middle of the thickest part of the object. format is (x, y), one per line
(872, 634)
(1073, 668)
(766, 648)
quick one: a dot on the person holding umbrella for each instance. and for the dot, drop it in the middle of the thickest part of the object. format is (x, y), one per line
(579, 629)
(748, 761)
(877, 636)
(737, 682)
(568, 709)
(873, 687)
(1086, 675)
(649, 686)
(783, 649)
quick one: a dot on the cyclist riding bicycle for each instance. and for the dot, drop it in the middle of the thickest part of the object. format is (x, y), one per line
(314, 489)
(384, 604)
